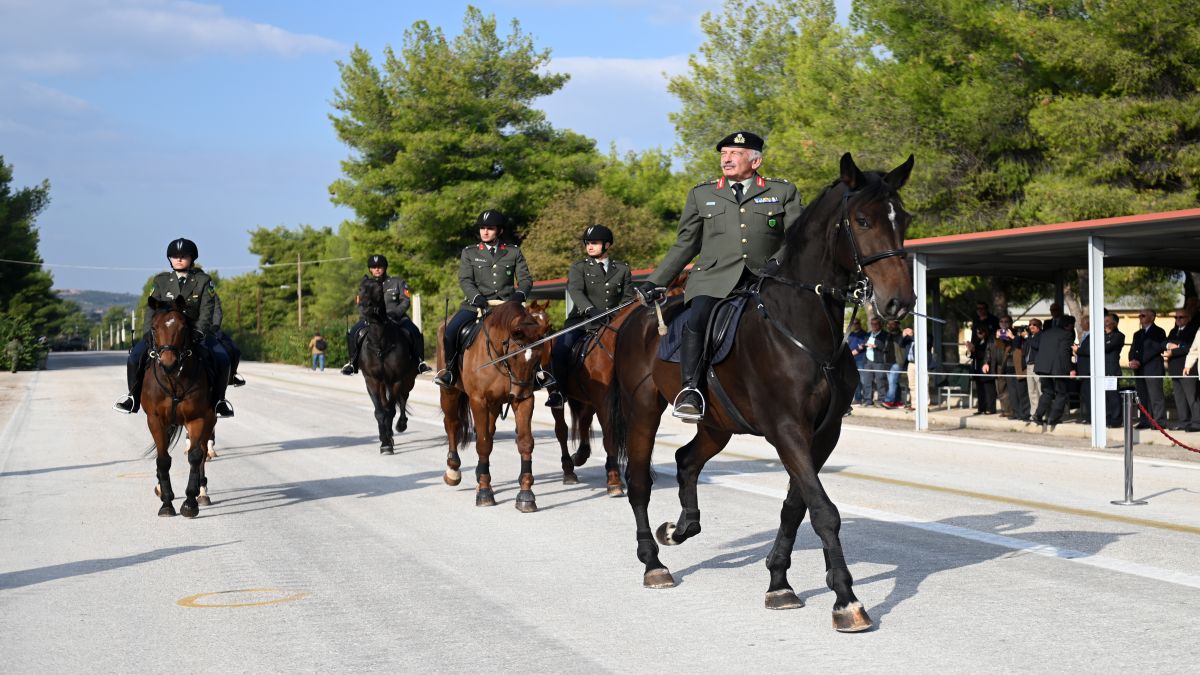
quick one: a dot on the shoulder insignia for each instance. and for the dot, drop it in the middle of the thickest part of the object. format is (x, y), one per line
(710, 181)
(776, 180)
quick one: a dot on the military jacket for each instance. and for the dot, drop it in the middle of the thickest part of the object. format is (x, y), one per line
(729, 236)
(395, 298)
(196, 288)
(590, 287)
(493, 276)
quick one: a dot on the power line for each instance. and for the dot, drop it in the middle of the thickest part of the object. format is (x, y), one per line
(156, 269)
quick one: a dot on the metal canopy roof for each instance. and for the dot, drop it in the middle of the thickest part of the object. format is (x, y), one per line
(1169, 239)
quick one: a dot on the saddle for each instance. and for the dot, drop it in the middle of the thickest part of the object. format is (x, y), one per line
(466, 337)
(718, 335)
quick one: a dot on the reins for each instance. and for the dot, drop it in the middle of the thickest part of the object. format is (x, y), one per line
(184, 354)
(507, 365)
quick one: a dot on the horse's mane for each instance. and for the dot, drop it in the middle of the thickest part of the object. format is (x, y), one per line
(874, 188)
(370, 298)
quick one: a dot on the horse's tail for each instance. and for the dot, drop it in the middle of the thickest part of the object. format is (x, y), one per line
(616, 428)
(173, 433)
(464, 421)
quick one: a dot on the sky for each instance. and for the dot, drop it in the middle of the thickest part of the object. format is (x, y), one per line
(156, 119)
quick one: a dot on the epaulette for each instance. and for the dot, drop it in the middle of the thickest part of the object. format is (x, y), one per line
(707, 182)
(164, 274)
(776, 180)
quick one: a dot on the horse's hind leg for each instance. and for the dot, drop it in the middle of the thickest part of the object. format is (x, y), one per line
(202, 499)
(383, 420)
(401, 408)
(162, 441)
(582, 416)
(780, 594)
(561, 434)
(689, 461)
(484, 425)
(196, 455)
(795, 449)
(523, 411)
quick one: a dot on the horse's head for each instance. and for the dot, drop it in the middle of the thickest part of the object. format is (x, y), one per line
(538, 310)
(874, 221)
(170, 332)
(370, 299)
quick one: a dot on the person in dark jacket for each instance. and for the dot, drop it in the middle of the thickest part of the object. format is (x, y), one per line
(1114, 341)
(1006, 365)
(880, 355)
(1054, 365)
(856, 340)
(1029, 350)
(1145, 357)
(1179, 341)
(980, 348)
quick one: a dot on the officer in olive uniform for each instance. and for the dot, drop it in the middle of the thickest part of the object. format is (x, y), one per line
(595, 284)
(184, 280)
(737, 224)
(488, 270)
(396, 304)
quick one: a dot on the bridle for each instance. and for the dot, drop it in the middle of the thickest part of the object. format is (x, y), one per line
(157, 351)
(172, 375)
(859, 261)
(505, 366)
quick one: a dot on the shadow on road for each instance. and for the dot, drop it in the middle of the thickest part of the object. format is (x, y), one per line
(259, 498)
(40, 575)
(72, 467)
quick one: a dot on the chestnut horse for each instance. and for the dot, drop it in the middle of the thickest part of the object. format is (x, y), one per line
(174, 396)
(387, 364)
(788, 378)
(482, 393)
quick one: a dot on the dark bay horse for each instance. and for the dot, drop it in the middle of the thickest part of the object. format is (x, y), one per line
(482, 393)
(175, 396)
(586, 394)
(386, 362)
(789, 377)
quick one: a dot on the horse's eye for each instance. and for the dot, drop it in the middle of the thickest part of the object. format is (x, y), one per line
(862, 222)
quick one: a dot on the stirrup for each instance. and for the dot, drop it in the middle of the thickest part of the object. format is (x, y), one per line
(542, 379)
(348, 369)
(423, 368)
(124, 405)
(684, 415)
(236, 380)
(444, 378)
(223, 408)
(555, 400)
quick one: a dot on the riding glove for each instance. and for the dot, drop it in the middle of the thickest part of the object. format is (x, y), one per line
(648, 292)
(479, 301)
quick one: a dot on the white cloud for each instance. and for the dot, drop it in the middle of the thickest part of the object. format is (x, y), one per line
(38, 37)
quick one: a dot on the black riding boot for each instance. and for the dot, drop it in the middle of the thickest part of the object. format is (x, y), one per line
(445, 376)
(689, 404)
(220, 381)
(352, 341)
(133, 401)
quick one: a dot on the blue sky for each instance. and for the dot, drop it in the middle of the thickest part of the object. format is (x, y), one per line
(155, 119)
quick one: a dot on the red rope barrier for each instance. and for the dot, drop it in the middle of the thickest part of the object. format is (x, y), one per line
(1154, 423)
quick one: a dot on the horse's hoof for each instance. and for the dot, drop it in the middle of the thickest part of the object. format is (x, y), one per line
(659, 578)
(851, 619)
(189, 509)
(203, 500)
(783, 599)
(616, 491)
(401, 426)
(485, 498)
(167, 511)
(525, 502)
(452, 477)
(664, 534)
(580, 457)
(570, 479)
(387, 450)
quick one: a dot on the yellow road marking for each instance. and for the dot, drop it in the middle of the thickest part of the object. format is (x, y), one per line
(194, 600)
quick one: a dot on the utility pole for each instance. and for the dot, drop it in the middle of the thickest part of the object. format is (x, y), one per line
(299, 297)
(258, 310)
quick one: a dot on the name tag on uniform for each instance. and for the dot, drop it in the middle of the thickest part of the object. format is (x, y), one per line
(480, 260)
(765, 200)
(710, 203)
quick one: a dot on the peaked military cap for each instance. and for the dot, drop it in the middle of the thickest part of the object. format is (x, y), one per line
(377, 261)
(491, 218)
(183, 248)
(597, 233)
(742, 139)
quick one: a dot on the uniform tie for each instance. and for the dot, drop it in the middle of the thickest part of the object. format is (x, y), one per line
(737, 192)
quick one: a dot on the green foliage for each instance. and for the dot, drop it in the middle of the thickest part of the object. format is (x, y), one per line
(25, 290)
(553, 242)
(30, 352)
(442, 131)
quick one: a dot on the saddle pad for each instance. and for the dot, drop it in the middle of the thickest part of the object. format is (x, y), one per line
(722, 327)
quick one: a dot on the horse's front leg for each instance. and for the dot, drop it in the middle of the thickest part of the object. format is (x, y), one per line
(689, 461)
(523, 411)
(196, 454)
(485, 426)
(794, 443)
(383, 420)
(161, 432)
(401, 399)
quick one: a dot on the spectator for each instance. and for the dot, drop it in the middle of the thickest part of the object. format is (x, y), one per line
(1006, 364)
(1029, 350)
(1179, 342)
(1145, 358)
(879, 359)
(13, 352)
(1056, 316)
(980, 349)
(856, 340)
(1114, 340)
(316, 347)
(1054, 363)
(910, 359)
(899, 360)
(1081, 353)
(984, 319)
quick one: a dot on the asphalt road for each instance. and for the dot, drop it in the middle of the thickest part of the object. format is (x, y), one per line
(320, 555)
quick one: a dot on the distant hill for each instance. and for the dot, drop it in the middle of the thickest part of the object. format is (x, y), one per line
(96, 303)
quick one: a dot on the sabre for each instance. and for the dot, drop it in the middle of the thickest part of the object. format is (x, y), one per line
(565, 330)
(926, 316)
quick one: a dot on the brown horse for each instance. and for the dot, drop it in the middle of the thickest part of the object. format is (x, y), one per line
(175, 396)
(482, 393)
(586, 393)
(788, 378)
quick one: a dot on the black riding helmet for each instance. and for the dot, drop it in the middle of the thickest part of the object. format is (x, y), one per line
(491, 218)
(183, 248)
(597, 233)
(377, 261)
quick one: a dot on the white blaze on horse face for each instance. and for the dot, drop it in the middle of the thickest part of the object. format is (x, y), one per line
(892, 214)
(171, 321)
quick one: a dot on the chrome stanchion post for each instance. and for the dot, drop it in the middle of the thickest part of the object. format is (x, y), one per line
(1127, 399)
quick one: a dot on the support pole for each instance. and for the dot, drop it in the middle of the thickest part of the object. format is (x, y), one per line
(1095, 385)
(920, 388)
(1127, 399)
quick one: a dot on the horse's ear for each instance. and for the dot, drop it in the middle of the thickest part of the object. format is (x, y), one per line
(851, 176)
(180, 303)
(898, 176)
(152, 303)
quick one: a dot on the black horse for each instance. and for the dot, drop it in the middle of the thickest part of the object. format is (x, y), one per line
(788, 378)
(386, 362)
